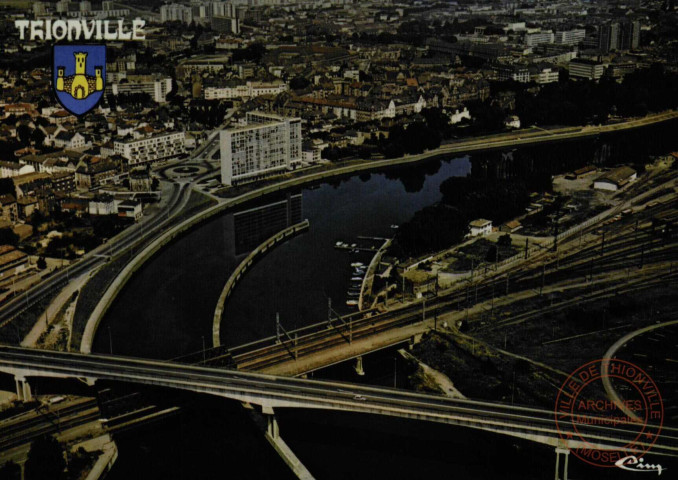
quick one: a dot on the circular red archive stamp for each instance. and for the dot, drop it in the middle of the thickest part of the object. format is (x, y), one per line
(603, 430)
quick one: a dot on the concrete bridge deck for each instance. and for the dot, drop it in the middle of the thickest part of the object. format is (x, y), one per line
(283, 392)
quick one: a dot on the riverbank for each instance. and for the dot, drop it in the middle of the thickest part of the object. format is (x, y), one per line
(230, 284)
(486, 143)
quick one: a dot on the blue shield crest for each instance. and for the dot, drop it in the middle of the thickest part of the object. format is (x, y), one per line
(79, 76)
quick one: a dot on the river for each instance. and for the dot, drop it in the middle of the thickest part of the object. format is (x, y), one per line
(166, 311)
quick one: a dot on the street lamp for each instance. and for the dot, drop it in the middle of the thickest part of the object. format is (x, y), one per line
(110, 339)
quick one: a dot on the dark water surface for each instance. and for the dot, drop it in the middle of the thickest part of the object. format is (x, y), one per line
(166, 310)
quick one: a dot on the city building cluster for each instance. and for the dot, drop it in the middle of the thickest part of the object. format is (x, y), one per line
(292, 83)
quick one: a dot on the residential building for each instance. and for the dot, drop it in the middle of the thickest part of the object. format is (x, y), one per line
(629, 35)
(151, 149)
(95, 173)
(102, 205)
(13, 169)
(608, 37)
(140, 179)
(250, 89)
(69, 140)
(570, 37)
(12, 261)
(480, 227)
(537, 38)
(518, 73)
(9, 210)
(544, 74)
(585, 68)
(268, 144)
(175, 12)
(130, 209)
(156, 87)
(26, 206)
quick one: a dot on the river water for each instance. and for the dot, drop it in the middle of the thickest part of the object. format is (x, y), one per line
(166, 310)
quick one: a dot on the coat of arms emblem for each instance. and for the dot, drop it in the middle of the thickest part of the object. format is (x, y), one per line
(79, 76)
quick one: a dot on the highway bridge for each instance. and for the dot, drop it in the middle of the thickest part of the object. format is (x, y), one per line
(272, 392)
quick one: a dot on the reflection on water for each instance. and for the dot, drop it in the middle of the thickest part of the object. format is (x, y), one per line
(168, 306)
(256, 224)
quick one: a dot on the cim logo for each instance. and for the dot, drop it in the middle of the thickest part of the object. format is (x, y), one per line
(79, 76)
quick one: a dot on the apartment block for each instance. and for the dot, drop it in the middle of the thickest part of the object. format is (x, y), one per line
(157, 88)
(151, 149)
(267, 145)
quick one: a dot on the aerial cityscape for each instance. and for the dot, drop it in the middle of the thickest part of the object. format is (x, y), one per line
(338, 239)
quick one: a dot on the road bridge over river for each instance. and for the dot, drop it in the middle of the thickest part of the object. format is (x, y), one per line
(271, 392)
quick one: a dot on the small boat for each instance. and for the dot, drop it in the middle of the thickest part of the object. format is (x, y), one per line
(357, 264)
(352, 294)
(352, 303)
(353, 245)
(356, 279)
(359, 271)
(338, 244)
(394, 226)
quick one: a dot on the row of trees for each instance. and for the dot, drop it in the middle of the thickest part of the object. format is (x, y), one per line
(581, 102)
(137, 100)
(45, 461)
(464, 199)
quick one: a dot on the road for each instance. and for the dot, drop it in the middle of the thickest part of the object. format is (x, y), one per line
(161, 225)
(274, 392)
(146, 228)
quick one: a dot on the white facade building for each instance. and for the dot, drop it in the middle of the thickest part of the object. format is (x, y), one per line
(532, 39)
(250, 89)
(584, 68)
(151, 149)
(266, 145)
(157, 89)
(175, 12)
(480, 227)
(570, 37)
(545, 75)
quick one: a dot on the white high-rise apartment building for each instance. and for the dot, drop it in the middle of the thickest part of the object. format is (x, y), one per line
(268, 144)
(175, 12)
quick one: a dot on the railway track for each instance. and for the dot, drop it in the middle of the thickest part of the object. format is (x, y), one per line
(629, 242)
(54, 421)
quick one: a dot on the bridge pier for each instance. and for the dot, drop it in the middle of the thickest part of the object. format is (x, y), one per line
(23, 389)
(566, 453)
(272, 434)
(359, 366)
(272, 427)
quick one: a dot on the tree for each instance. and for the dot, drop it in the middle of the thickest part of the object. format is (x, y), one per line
(504, 240)
(37, 137)
(10, 471)
(24, 134)
(45, 460)
(7, 186)
(298, 83)
(8, 237)
(42, 263)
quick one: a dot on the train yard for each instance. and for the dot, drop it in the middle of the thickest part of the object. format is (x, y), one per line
(625, 253)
